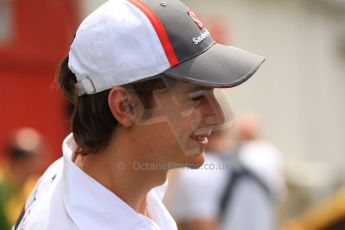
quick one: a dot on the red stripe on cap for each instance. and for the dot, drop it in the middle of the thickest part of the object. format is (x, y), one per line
(161, 32)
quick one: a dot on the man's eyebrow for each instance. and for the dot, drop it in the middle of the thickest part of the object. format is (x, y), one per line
(198, 87)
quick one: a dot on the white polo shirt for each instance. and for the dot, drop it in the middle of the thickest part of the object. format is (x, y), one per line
(66, 198)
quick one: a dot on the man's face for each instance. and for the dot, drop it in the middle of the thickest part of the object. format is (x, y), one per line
(176, 129)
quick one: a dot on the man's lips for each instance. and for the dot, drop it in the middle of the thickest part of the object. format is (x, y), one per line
(201, 139)
(201, 135)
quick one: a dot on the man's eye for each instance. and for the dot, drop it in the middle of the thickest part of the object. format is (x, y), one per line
(197, 100)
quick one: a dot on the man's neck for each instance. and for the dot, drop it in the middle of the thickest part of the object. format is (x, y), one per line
(117, 170)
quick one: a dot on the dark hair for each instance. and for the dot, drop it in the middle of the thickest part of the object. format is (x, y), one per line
(92, 122)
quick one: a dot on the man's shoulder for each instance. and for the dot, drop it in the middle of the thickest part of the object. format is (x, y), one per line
(54, 167)
(44, 209)
(46, 180)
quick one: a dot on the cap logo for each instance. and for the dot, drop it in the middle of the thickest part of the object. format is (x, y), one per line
(201, 37)
(195, 19)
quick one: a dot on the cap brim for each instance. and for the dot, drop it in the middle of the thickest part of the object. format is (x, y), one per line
(219, 67)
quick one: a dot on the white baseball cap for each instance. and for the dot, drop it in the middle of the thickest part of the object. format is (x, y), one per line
(125, 41)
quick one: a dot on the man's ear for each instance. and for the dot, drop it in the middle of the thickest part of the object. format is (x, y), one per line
(120, 104)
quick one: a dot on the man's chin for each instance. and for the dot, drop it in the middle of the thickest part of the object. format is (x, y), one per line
(196, 160)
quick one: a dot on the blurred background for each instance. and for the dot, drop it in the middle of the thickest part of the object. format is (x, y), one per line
(298, 94)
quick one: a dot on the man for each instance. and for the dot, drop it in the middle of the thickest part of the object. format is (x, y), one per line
(141, 75)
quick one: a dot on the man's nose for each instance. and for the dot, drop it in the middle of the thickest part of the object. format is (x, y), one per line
(212, 112)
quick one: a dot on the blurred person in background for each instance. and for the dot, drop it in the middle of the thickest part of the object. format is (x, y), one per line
(19, 174)
(193, 196)
(256, 186)
(240, 186)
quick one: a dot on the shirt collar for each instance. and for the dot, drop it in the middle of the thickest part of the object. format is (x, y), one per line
(91, 205)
